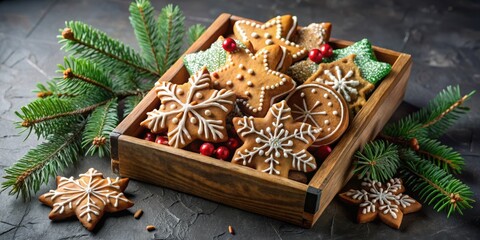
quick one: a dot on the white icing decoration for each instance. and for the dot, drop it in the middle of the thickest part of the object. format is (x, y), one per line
(280, 64)
(268, 42)
(386, 197)
(306, 112)
(78, 190)
(275, 142)
(208, 128)
(292, 29)
(342, 84)
(254, 35)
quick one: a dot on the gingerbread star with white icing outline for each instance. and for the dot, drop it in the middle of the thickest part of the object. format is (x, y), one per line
(385, 201)
(87, 197)
(255, 78)
(191, 111)
(279, 30)
(344, 76)
(276, 143)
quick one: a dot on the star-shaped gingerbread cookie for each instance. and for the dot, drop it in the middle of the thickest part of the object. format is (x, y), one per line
(256, 79)
(322, 107)
(87, 197)
(191, 111)
(275, 144)
(344, 76)
(279, 30)
(385, 201)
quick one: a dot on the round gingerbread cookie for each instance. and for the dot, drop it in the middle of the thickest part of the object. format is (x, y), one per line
(322, 107)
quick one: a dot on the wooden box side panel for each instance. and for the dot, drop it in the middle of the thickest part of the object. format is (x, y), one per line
(212, 179)
(336, 170)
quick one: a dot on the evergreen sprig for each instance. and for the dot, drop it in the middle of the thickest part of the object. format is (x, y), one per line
(194, 32)
(378, 160)
(42, 163)
(434, 185)
(76, 112)
(424, 162)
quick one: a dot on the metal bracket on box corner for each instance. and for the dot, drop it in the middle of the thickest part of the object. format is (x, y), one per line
(312, 200)
(114, 144)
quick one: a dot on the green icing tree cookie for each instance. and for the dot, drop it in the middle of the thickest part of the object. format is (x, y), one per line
(213, 58)
(371, 69)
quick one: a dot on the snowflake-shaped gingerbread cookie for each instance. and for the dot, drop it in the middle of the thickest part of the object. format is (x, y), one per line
(256, 79)
(275, 144)
(322, 107)
(279, 30)
(191, 111)
(87, 197)
(385, 201)
(344, 76)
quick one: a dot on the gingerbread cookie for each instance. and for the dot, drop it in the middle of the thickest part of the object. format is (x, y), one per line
(275, 144)
(323, 108)
(279, 30)
(256, 79)
(302, 70)
(191, 111)
(385, 201)
(344, 76)
(87, 197)
(371, 69)
(314, 35)
(213, 58)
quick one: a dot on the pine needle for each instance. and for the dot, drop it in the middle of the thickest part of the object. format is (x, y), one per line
(194, 32)
(41, 163)
(378, 160)
(442, 156)
(434, 185)
(97, 131)
(171, 29)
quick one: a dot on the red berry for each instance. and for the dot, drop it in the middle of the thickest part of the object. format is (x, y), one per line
(326, 50)
(222, 153)
(229, 45)
(161, 140)
(207, 149)
(233, 143)
(323, 152)
(315, 55)
(149, 136)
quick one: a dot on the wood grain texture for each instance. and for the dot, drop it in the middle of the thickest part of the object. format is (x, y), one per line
(240, 186)
(213, 179)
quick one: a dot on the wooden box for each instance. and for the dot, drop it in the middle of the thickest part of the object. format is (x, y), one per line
(243, 187)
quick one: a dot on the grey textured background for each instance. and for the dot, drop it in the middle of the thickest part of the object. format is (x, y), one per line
(443, 38)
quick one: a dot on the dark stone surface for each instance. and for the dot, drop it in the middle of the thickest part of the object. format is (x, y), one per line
(443, 38)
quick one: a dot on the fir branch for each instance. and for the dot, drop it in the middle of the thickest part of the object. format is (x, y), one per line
(194, 32)
(52, 115)
(146, 32)
(442, 111)
(442, 156)
(87, 42)
(99, 125)
(41, 163)
(434, 185)
(378, 160)
(171, 29)
(47, 116)
(83, 77)
(130, 103)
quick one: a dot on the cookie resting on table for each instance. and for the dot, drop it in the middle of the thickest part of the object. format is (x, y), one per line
(191, 111)
(87, 197)
(279, 30)
(276, 143)
(344, 76)
(323, 108)
(371, 69)
(385, 201)
(256, 79)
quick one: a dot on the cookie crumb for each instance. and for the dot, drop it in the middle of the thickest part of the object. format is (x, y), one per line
(150, 228)
(230, 230)
(138, 214)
